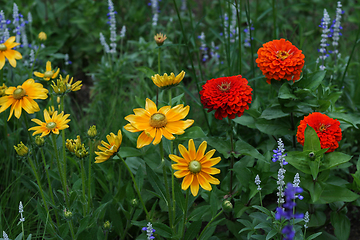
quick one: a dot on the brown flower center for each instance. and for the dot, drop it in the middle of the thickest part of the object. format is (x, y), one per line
(225, 86)
(48, 74)
(282, 55)
(19, 93)
(195, 166)
(50, 125)
(3, 47)
(158, 120)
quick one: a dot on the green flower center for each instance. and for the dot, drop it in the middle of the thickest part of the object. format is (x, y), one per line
(50, 125)
(225, 86)
(3, 47)
(19, 93)
(48, 74)
(158, 120)
(195, 166)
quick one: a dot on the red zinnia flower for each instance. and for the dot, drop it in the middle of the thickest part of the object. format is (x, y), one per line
(327, 129)
(229, 96)
(279, 59)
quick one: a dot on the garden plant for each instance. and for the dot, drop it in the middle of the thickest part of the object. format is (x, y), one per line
(179, 119)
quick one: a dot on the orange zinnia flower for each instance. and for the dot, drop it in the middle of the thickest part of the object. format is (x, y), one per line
(327, 129)
(195, 167)
(279, 59)
(228, 96)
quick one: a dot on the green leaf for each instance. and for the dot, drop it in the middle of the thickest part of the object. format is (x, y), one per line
(312, 142)
(314, 168)
(156, 184)
(334, 159)
(163, 230)
(19, 237)
(299, 160)
(333, 193)
(351, 118)
(129, 152)
(179, 197)
(285, 92)
(277, 127)
(264, 210)
(243, 148)
(193, 230)
(192, 133)
(220, 145)
(29, 237)
(245, 120)
(273, 113)
(341, 224)
(271, 234)
(312, 81)
(315, 191)
(313, 236)
(214, 203)
(242, 173)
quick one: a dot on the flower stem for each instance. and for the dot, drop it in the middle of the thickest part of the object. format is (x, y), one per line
(260, 198)
(136, 186)
(202, 232)
(185, 211)
(274, 18)
(159, 68)
(231, 156)
(49, 182)
(166, 183)
(89, 175)
(83, 177)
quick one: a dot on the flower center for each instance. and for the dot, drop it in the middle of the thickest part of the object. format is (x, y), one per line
(225, 86)
(195, 166)
(158, 120)
(50, 125)
(2, 47)
(323, 127)
(19, 93)
(282, 55)
(48, 74)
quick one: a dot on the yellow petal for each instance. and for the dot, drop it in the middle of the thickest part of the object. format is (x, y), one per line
(143, 140)
(194, 187)
(187, 181)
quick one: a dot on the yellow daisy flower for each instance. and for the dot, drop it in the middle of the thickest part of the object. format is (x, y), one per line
(22, 97)
(7, 52)
(168, 81)
(195, 167)
(63, 85)
(109, 149)
(49, 73)
(154, 124)
(52, 124)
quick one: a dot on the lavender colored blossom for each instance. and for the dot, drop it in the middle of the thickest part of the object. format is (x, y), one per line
(104, 44)
(257, 182)
(306, 219)
(66, 58)
(279, 153)
(112, 27)
(123, 31)
(29, 17)
(5, 236)
(286, 211)
(289, 232)
(21, 210)
(325, 21)
(233, 29)
(3, 27)
(183, 5)
(280, 182)
(149, 231)
(16, 22)
(203, 47)
(247, 40)
(155, 11)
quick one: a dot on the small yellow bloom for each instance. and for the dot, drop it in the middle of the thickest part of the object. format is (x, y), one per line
(196, 167)
(159, 39)
(21, 149)
(42, 36)
(80, 151)
(168, 81)
(107, 225)
(2, 90)
(49, 73)
(92, 132)
(7, 52)
(39, 141)
(22, 97)
(63, 85)
(109, 149)
(154, 124)
(51, 110)
(52, 124)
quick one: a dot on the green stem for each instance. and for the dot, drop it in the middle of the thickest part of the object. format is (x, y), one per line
(40, 187)
(83, 177)
(274, 18)
(136, 187)
(238, 14)
(185, 211)
(2, 76)
(260, 198)
(210, 223)
(159, 68)
(89, 175)
(166, 183)
(23, 231)
(231, 156)
(49, 183)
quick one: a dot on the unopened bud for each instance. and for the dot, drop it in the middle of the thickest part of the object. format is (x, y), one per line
(92, 132)
(227, 206)
(39, 141)
(21, 149)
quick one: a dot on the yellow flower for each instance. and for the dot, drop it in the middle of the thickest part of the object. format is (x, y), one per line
(159, 39)
(7, 52)
(2, 90)
(168, 81)
(52, 124)
(49, 73)
(63, 85)
(109, 149)
(92, 132)
(51, 110)
(21, 149)
(154, 124)
(22, 97)
(42, 36)
(72, 144)
(195, 167)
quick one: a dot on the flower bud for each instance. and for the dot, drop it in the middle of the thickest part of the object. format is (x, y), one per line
(42, 36)
(107, 225)
(227, 206)
(159, 39)
(21, 149)
(67, 214)
(92, 132)
(39, 141)
(134, 202)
